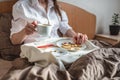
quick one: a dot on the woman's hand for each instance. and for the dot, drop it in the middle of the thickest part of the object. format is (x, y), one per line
(80, 38)
(30, 28)
(18, 38)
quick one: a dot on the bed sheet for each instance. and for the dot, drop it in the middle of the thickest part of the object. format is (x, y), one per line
(102, 64)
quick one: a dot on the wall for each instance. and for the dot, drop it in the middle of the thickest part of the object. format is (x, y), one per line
(103, 9)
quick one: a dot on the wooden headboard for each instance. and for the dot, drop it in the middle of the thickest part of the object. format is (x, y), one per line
(81, 20)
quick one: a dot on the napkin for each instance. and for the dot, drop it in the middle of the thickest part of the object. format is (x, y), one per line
(33, 54)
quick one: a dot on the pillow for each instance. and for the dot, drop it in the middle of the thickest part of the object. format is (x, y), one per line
(5, 22)
(7, 49)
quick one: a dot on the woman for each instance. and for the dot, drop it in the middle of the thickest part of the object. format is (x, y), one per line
(26, 15)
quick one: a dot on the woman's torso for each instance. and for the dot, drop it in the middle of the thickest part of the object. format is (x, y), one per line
(33, 11)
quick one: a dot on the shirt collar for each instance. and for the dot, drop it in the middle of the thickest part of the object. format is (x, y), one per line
(34, 2)
(50, 3)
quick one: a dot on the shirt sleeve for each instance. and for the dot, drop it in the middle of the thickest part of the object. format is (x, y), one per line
(64, 26)
(18, 22)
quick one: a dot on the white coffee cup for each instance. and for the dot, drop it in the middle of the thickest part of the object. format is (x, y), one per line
(44, 29)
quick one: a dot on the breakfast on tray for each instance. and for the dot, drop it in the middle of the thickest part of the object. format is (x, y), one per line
(70, 46)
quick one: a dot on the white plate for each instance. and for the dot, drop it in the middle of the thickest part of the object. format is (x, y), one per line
(60, 42)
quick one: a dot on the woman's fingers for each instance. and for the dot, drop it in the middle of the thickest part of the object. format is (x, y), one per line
(85, 37)
(80, 38)
(30, 28)
(75, 39)
(34, 23)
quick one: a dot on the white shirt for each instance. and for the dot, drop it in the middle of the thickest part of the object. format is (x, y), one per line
(27, 11)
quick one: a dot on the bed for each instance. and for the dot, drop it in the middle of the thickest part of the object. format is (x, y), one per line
(102, 64)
